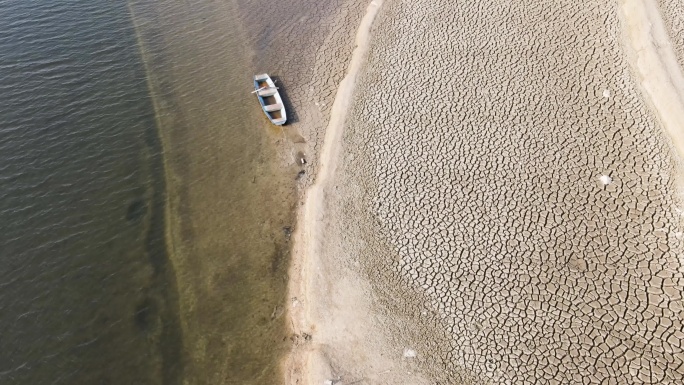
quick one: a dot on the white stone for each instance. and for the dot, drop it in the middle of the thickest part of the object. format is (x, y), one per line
(605, 180)
(606, 94)
(409, 353)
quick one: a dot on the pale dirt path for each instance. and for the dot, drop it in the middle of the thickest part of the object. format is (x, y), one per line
(330, 308)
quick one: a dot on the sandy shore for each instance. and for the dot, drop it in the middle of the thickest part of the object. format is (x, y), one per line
(330, 304)
(498, 201)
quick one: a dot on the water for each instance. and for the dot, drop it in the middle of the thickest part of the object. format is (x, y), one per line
(229, 199)
(86, 293)
(142, 212)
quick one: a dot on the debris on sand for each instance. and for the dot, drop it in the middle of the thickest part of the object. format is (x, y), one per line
(605, 180)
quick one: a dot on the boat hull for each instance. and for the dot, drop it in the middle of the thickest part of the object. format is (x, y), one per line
(269, 99)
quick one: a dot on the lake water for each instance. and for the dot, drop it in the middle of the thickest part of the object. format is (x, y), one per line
(89, 285)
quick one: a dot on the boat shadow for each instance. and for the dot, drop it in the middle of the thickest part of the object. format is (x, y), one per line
(289, 108)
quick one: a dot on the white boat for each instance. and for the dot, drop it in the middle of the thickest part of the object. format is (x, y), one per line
(270, 100)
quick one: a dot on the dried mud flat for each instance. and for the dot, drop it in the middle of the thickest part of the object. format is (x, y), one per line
(504, 205)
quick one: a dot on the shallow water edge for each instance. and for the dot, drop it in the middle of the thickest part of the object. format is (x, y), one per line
(228, 201)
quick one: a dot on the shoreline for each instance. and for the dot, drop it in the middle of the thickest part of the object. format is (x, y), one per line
(301, 365)
(330, 310)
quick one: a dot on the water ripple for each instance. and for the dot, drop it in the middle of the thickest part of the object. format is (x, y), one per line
(74, 112)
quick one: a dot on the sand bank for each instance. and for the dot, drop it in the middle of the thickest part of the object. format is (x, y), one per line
(341, 342)
(503, 207)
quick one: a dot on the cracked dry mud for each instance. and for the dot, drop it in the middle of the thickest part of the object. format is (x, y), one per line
(502, 172)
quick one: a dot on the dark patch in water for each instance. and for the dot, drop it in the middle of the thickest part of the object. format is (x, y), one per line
(279, 258)
(151, 139)
(145, 314)
(136, 210)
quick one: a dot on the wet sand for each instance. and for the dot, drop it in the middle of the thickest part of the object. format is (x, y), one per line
(501, 202)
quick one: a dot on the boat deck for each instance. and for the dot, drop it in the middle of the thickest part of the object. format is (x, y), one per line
(272, 104)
